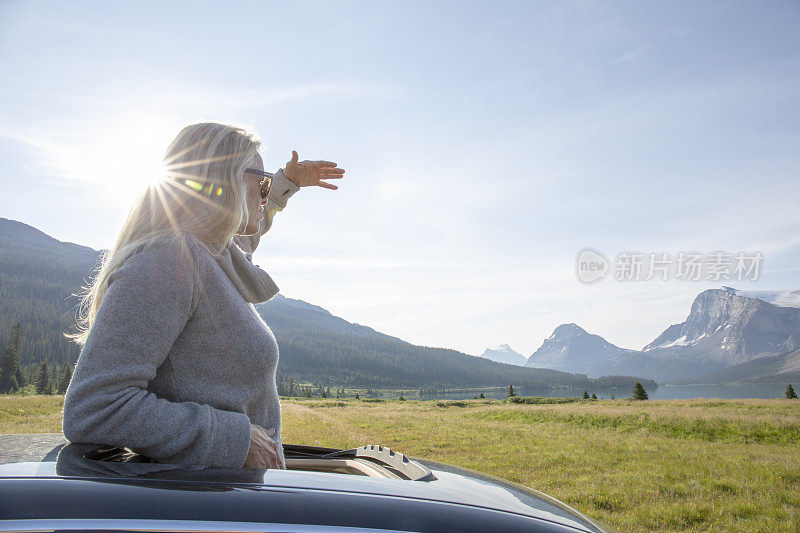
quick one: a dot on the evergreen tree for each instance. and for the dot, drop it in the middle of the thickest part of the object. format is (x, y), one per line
(65, 379)
(612, 396)
(585, 395)
(21, 381)
(790, 394)
(357, 398)
(5, 371)
(10, 360)
(638, 392)
(481, 396)
(511, 391)
(43, 379)
(594, 396)
(402, 399)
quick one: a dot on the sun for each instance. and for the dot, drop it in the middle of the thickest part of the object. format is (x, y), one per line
(122, 159)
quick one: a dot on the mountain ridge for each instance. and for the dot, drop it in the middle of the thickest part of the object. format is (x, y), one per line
(39, 275)
(731, 328)
(725, 328)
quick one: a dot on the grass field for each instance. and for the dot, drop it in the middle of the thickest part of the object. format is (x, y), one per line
(671, 465)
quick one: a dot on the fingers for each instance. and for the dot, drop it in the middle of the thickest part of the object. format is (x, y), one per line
(333, 172)
(324, 165)
(269, 447)
(292, 163)
(306, 173)
(268, 456)
(263, 449)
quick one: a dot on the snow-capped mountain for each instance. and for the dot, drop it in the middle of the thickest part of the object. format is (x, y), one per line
(725, 327)
(570, 346)
(732, 327)
(504, 354)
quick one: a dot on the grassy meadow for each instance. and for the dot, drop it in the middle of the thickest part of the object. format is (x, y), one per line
(669, 465)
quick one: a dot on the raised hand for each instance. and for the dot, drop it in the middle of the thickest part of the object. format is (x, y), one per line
(307, 173)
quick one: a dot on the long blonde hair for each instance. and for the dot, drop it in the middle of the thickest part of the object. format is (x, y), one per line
(203, 194)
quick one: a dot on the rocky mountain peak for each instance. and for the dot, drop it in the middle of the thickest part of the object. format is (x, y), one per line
(732, 327)
(504, 354)
(571, 346)
(567, 331)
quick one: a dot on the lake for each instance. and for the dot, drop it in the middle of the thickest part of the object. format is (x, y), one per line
(662, 392)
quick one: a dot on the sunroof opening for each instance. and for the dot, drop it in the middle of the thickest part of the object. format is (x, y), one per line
(370, 461)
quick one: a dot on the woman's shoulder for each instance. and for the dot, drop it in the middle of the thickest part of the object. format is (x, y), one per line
(172, 263)
(176, 254)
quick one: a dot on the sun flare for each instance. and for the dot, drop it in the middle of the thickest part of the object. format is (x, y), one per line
(124, 158)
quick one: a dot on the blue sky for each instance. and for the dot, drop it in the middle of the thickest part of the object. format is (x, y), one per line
(485, 144)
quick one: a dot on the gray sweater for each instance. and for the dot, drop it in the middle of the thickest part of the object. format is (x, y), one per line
(178, 362)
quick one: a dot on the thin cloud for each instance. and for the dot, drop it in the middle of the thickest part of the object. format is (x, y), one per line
(630, 55)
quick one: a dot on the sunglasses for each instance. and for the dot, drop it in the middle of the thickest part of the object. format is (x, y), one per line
(211, 190)
(266, 182)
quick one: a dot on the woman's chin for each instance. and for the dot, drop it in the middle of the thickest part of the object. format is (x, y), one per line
(253, 227)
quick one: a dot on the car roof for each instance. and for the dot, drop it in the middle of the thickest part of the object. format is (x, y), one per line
(459, 492)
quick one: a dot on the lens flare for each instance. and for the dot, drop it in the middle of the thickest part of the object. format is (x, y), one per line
(194, 185)
(199, 187)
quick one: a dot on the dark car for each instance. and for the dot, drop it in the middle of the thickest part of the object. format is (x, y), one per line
(47, 484)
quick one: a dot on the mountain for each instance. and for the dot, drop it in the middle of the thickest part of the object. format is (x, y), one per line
(770, 369)
(20, 238)
(318, 346)
(504, 354)
(296, 316)
(732, 327)
(571, 349)
(725, 329)
(38, 274)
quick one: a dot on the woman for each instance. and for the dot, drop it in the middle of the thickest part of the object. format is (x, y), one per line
(176, 364)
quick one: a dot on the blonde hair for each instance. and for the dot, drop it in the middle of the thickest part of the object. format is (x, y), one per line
(212, 157)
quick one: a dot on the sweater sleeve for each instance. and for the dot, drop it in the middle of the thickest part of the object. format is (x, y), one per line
(149, 300)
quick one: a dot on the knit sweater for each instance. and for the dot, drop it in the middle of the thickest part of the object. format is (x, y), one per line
(178, 363)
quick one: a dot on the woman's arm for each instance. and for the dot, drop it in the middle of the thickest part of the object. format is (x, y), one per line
(150, 298)
(279, 193)
(287, 182)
